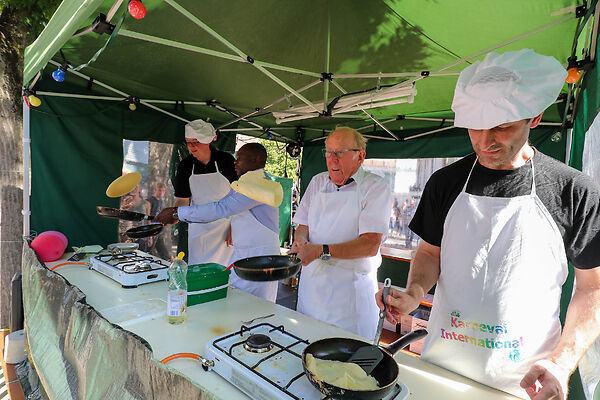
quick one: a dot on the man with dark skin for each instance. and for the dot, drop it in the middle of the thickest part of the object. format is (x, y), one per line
(254, 224)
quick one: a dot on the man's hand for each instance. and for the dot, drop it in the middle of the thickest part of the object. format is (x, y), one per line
(307, 252)
(552, 381)
(398, 302)
(166, 216)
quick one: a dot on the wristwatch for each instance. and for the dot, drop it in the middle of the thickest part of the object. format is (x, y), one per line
(326, 255)
(175, 215)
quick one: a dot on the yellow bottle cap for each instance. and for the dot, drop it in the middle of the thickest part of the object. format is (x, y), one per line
(180, 255)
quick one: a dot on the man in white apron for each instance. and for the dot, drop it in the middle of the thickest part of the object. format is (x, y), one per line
(254, 223)
(341, 219)
(498, 228)
(201, 178)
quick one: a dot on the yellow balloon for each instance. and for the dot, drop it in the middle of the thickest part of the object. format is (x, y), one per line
(123, 184)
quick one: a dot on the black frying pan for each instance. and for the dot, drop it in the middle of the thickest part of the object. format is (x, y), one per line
(267, 268)
(144, 231)
(340, 349)
(122, 214)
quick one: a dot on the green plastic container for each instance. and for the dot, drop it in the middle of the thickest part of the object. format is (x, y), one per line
(203, 277)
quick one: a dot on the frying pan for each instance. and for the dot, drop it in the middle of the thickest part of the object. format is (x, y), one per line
(144, 231)
(267, 268)
(340, 349)
(122, 214)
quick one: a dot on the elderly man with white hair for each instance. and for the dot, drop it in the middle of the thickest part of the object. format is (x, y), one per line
(204, 177)
(341, 219)
(498, 230)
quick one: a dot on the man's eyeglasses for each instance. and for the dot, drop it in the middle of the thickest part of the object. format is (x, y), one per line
(338, 153)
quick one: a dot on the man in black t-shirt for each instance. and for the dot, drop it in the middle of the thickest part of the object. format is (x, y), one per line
(498, 229)
(204, 177)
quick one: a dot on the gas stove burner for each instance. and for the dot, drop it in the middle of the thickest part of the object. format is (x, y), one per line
(137, 267)
(258, 343)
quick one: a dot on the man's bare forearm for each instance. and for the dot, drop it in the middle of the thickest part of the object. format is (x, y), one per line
(424, 270)
(366, 245)
(582, 324)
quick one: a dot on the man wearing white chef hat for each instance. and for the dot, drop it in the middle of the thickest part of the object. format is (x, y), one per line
(498, 229)
(252, 203)
(204, 177)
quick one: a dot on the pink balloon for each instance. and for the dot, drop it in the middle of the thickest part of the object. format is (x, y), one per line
(58, 234)
(49, 247)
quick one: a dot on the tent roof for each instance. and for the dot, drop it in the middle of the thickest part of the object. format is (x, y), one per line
(198, 52)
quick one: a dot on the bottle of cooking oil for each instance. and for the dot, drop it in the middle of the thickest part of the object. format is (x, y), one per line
(177, 297)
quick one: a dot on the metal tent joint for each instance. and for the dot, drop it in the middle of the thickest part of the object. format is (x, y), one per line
(250, 59)
(400, 117)
(425, 74)
(101, 25)
(326, 76)
(584, 64)
(581, 11)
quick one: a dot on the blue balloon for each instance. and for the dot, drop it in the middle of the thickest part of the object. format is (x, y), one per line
(59, 75)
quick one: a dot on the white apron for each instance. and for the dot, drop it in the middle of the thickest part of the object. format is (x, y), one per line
(207, 242)
(339, 292)
(497, 301)
(251, 239)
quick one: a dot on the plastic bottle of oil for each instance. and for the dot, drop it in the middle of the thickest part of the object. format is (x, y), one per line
(177, 296)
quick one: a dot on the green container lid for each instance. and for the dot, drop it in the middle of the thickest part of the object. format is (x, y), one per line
(206, 276)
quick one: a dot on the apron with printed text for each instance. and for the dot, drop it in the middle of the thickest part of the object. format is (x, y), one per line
(251, 239)
(497, 300)
(336, 291)
(207, 242)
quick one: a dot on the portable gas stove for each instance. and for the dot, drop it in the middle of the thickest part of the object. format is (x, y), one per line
(130, 268)
(265, 362)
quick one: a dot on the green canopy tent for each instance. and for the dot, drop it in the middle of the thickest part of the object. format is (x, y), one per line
(285, 70)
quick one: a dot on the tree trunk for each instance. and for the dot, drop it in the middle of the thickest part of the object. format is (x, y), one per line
(12, 46)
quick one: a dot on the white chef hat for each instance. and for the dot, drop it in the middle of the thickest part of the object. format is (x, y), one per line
(506, 87)
(200, 130)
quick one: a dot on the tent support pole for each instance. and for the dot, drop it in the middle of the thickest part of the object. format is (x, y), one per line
(26, 164)
(240, 53)
(326, 81)
(214, 53)
(391, 75)
(337, 85)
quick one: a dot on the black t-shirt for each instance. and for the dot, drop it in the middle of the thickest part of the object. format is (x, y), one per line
(191, 164)
(571, 197)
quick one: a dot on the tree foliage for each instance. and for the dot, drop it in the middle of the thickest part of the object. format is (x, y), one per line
(32, 15)
(276, 160)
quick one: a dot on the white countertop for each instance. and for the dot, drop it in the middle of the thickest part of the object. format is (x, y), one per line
(142, 310)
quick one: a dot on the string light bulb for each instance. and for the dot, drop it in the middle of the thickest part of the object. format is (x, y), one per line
(133, 102)
(60, 74)
(34, 100)
(573, 75)
(30, 98)
(136, 9)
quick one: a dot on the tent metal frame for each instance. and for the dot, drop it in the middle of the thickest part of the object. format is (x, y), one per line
(319, 109)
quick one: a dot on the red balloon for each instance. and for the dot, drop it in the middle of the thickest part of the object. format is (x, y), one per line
(58, 234)
(136, 9)
(49, 247)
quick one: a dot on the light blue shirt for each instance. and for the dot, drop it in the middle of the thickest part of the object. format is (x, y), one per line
(233, 203)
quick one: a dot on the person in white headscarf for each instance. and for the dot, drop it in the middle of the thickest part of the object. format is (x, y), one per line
(204, 177)
(498, 229)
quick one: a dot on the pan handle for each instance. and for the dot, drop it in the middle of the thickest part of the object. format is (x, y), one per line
(405, 340)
